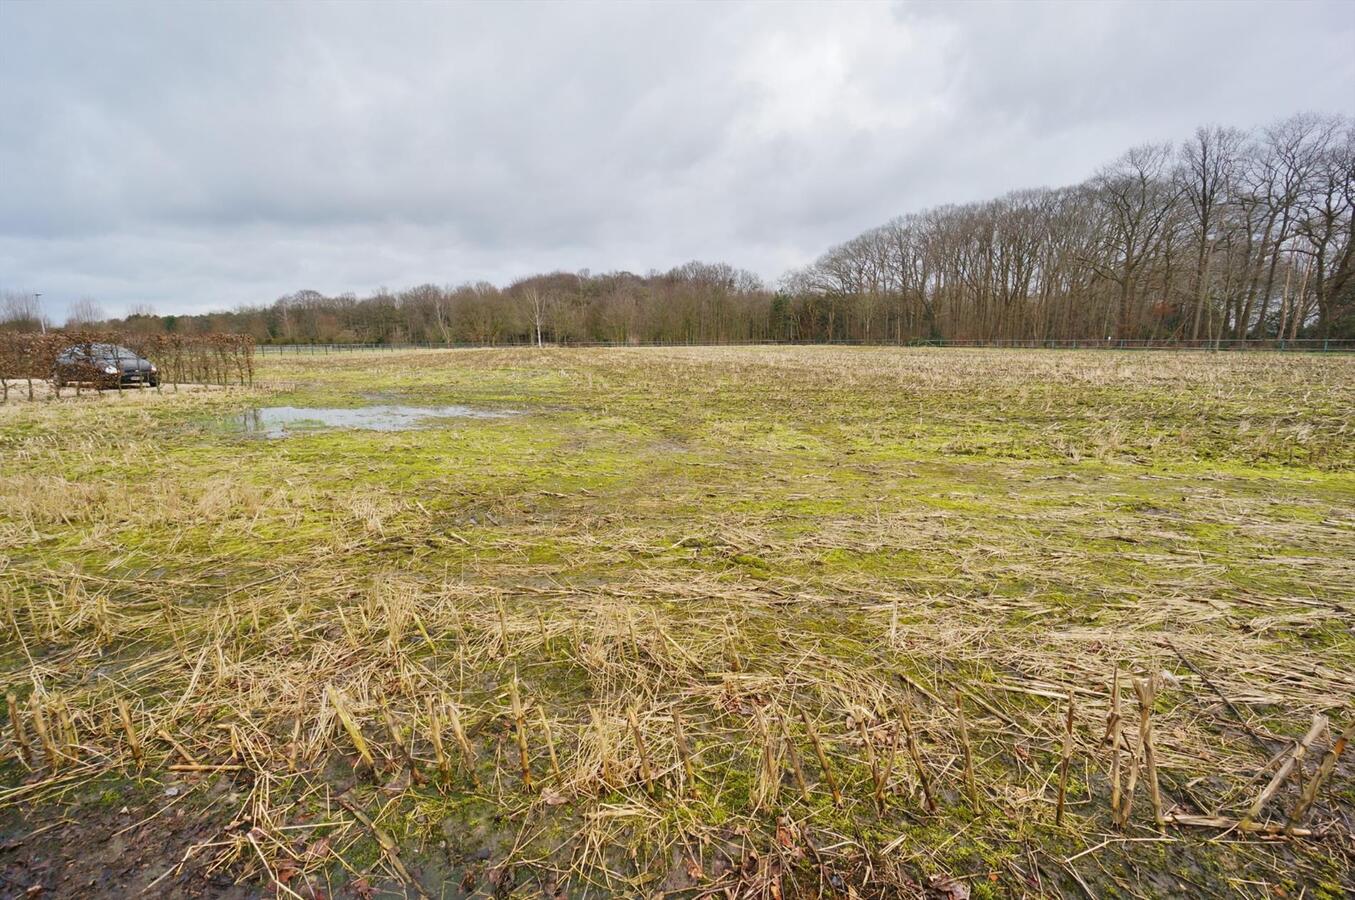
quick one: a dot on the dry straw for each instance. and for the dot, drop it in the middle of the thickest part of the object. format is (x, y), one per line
(673, 704)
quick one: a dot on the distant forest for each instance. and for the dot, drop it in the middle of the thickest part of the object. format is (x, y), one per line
(1229, 235)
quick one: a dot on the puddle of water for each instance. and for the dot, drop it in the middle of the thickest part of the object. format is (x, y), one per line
(279, 421)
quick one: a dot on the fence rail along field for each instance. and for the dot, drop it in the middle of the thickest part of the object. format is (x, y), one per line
(1301, 345)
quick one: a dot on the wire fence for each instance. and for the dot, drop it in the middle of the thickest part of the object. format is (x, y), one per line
(1271, 345)
(68, 359)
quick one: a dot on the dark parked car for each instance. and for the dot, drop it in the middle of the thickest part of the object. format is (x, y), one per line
(106, 365)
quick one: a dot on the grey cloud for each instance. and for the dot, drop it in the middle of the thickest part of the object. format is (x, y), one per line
(200, 156)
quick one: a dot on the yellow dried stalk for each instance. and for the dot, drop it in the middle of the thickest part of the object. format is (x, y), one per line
(354, 732)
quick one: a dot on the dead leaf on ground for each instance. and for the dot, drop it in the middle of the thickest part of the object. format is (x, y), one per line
(950, 888)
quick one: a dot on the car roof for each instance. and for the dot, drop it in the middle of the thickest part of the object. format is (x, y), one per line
(101, 349)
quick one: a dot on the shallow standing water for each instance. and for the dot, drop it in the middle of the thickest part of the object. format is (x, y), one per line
(279, 421)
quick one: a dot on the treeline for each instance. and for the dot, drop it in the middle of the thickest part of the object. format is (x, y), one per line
(1230, 235)
(695, 303)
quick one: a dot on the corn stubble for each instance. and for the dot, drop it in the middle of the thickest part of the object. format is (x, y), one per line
(784, 722)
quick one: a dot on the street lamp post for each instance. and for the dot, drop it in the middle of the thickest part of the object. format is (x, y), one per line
(37, 304)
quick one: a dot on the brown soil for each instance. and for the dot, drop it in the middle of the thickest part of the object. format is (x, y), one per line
(114, 842)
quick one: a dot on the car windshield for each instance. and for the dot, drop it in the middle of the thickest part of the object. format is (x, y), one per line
(99, 353)
(109, 352)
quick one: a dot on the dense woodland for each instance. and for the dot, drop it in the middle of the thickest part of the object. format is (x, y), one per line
(1229, 235)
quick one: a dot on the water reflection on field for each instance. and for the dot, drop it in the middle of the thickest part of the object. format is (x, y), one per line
(279, 421)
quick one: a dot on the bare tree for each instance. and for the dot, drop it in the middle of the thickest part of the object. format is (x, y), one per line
(1138, 200)
(1326, 226)
(21, 311)
(1209, 164)
(537, 303)
(1284, 163)
(84, 313)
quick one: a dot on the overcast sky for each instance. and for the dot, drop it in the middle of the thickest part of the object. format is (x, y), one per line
(199, 157)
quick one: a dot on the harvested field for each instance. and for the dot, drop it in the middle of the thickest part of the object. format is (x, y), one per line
(755, 622)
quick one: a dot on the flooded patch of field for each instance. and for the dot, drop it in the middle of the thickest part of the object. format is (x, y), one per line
(279, 421)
